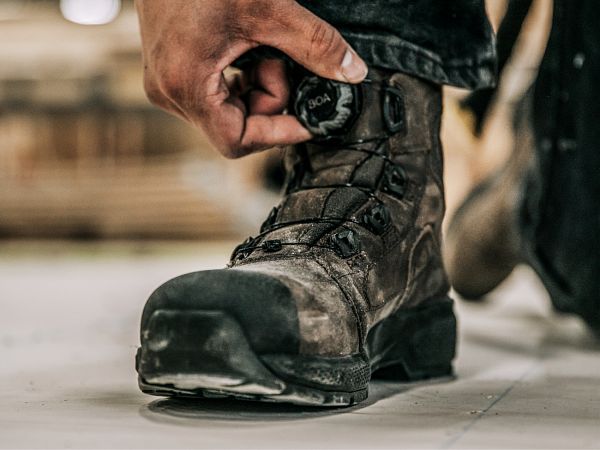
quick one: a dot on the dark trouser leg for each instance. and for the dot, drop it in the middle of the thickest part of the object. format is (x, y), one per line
(561, 218)
(447, 42)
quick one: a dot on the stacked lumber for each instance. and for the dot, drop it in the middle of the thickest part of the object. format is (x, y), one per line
(160, 199)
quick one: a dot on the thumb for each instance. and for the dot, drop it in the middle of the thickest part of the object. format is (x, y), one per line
(315, 44)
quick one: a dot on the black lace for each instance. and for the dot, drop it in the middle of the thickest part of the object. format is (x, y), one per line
(246, 248)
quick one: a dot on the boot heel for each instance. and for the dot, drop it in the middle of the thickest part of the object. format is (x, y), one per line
(415, 345)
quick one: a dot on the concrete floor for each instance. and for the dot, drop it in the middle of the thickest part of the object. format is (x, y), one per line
(526, 378)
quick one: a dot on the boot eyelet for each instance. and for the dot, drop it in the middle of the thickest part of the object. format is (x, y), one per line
(393, 109)
(346, 243)
(377, 219)
(395, 181)
(270, 220)
(243, 250)
(272, 246)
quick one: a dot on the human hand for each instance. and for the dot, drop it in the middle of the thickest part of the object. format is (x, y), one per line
(187, 45)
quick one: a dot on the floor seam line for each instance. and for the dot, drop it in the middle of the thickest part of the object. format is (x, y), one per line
(503, 395)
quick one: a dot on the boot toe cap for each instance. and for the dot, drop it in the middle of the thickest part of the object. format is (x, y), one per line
(262, 305)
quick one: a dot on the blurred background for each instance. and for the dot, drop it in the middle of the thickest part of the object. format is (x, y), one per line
(83, 155)
(82, 152)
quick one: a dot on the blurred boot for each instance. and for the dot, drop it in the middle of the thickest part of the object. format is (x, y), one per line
(344, 279)
(483, 243)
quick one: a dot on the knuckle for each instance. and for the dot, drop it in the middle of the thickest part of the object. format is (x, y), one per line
(323, 38)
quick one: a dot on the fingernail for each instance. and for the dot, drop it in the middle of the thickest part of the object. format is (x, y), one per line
(353, 68)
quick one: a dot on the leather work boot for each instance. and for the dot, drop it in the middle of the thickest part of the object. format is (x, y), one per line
(483, 240)
(345, 277)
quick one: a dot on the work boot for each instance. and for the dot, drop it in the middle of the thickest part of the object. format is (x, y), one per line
(345, 277)
(483, 240)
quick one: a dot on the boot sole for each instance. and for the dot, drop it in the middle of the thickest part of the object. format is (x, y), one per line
(206, 354)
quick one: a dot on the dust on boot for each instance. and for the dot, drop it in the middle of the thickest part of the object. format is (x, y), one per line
(345, 278)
